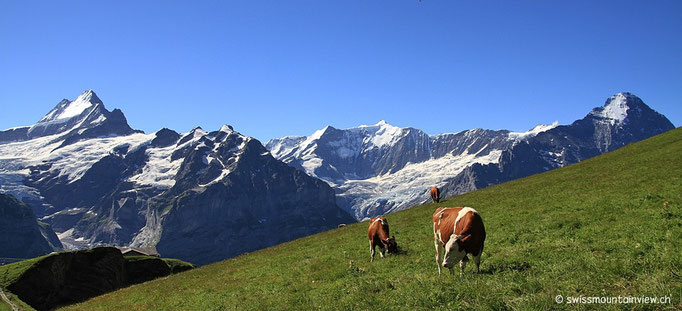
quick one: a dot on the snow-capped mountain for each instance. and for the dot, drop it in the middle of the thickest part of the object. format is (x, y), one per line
(380, 168)
(377, 169)
(623, 119)
(83, 118)
(198, 196)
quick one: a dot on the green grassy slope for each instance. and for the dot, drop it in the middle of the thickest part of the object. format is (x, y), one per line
(11, 272)
(608, 226)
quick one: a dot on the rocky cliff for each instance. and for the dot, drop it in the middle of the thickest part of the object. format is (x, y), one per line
(21, 235)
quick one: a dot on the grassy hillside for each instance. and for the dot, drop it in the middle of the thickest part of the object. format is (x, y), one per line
(608, 226)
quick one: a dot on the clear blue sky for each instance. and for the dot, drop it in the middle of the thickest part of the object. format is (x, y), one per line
(275, 68)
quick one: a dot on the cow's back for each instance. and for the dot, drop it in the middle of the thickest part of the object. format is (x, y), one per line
(377, 224)
(444, 222)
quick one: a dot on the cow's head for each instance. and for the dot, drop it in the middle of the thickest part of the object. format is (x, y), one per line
(391, 245)
(453, 253)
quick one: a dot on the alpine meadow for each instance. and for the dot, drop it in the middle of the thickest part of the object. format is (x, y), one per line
(607, 226)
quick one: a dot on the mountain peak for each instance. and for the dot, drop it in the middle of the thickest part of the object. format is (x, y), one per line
(616, 107)
(68, 109)
(90, 96)
(86, 112)
(379, 125)
(226, 128)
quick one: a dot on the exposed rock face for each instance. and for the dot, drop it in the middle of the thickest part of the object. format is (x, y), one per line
(623, 119)
(14, 134)
(381, 168)
(71, 277)
(197, 196)
(21, 236)
(252, 202)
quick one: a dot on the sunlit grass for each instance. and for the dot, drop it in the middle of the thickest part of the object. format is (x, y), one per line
(608, 226)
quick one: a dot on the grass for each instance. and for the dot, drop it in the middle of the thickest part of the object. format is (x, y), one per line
(175, 265)
(8, 274)
(16, 301)
(178, 265)
(11, 272)
(607, 226)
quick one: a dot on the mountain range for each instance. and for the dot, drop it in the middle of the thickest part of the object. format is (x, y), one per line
(204, 196)
(379, 169)
(198, 196)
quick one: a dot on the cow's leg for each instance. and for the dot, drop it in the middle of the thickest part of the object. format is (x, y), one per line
(435, 243)
(477, 261)
(382, 250)
(371, 251)
(463, 264)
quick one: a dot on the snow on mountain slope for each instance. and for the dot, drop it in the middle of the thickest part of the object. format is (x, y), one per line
(409, 186)
(519, 136)
(87, 109)
(616, 108)
(68, 109)
(380, 168)
(160, 169)
(19, 160)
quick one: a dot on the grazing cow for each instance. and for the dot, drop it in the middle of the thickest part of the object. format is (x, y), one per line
(435, 194)
(378, 236)
(460, 230)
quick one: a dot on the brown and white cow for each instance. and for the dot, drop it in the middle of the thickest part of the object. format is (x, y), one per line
(378, 236)
(460, 231)
(435, 194)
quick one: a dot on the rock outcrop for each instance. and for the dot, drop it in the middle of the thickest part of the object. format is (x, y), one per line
(71, 277)
(21, 235)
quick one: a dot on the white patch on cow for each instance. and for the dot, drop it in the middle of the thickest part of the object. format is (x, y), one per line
(452, 253)
(461, 214)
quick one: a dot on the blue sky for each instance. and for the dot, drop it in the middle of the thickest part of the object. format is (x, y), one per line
(276, 68)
